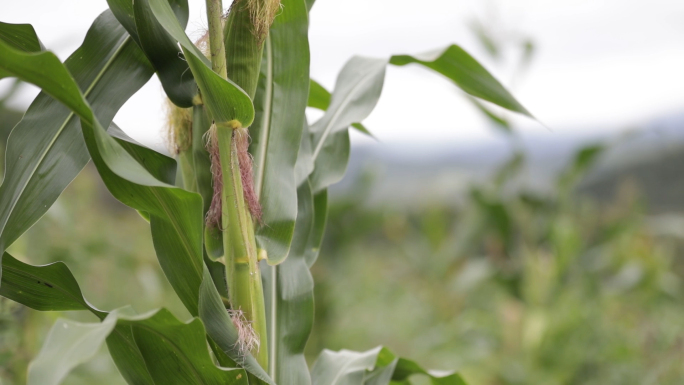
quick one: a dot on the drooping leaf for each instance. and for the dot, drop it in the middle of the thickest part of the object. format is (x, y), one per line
(377, 366)
(279, 103)
(116, 132)
(319, 98)
(175, 214)
(469, 75)
(381, 375)
(164, 54)
(288, 292)
(159, 165)
(344, 367)
(499, 122)
(53, 288)
(405, 368)
(160, 48)
(46, 151)
(356, 93)
(163, 349)
(224, 100)
(21, 36)
(68, 344)
(46, 288)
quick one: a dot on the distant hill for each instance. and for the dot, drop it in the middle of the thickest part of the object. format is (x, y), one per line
(651, 157)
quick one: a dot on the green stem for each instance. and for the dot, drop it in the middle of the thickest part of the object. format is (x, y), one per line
(242, 266)
(216, 47)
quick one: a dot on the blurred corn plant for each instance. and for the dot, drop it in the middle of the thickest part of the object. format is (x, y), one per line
(236, 218)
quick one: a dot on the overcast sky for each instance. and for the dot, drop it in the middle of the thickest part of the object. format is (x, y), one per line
(598, 64)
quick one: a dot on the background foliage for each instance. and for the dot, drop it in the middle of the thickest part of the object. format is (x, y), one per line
(513, 288)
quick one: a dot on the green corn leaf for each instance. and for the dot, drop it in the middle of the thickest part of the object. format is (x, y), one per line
(46, 288)
(160, 19)
(358, 88)
(21, 36)
(163, 52)
(159, 165)
(313, 245)
(127, 356)
(116, 132)
(319, 98)
(213, 240)
(304, 165)
(46, 151)
(405, 368)
(344, 367)
(469, 75)
(58, 290)
(320, 210)
(172, 352)
(309, 4)
(498, 121)
(53, 288)
(159, 47)
(176, 352)
(200, 156)
(175, 214)
(67, 345)
(224, 100)
(357, 91)
(381, 375)
(377, 366)
(280, 102)
(288, 292)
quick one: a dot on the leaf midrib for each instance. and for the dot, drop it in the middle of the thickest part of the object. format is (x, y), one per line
(59, 132)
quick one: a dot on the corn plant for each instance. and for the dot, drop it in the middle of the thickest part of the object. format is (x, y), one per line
(236, 216)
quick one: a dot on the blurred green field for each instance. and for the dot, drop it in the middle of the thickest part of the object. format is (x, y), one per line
(512, 288)
(509, 288)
